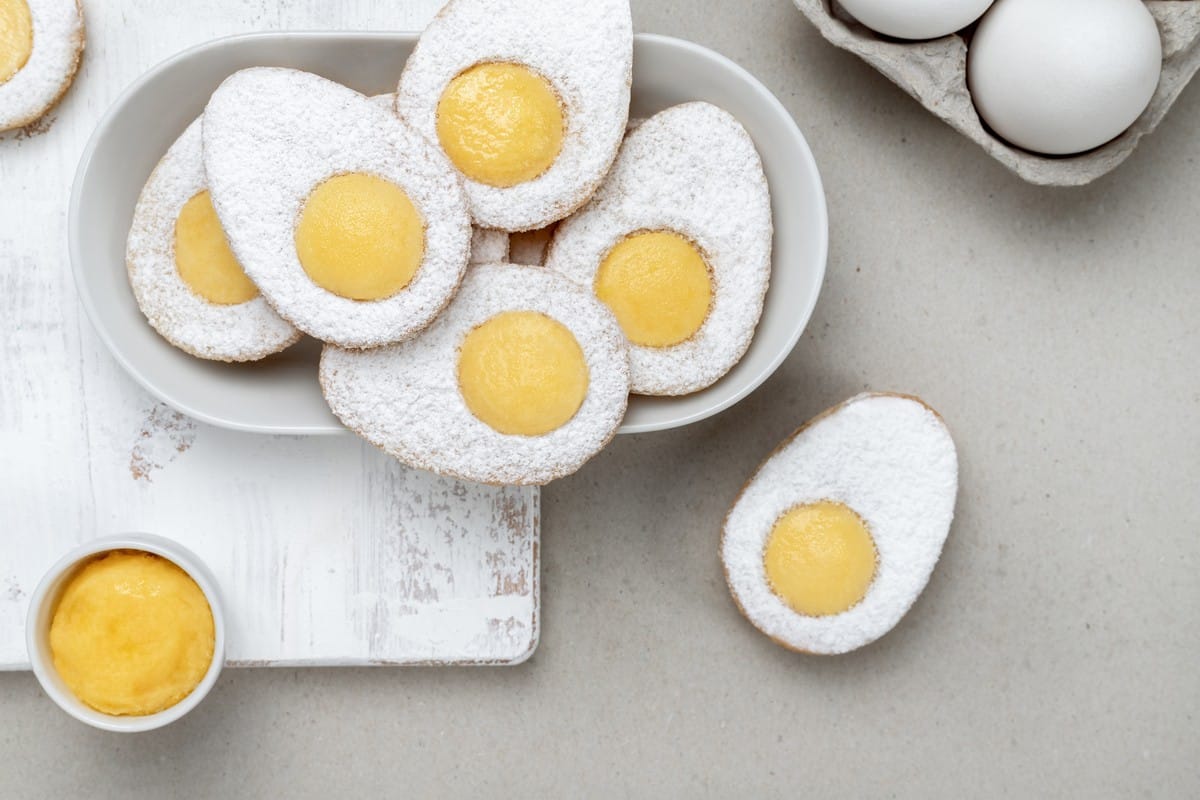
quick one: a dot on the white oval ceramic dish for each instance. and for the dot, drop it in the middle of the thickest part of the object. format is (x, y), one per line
(41, 611)
(281, 394)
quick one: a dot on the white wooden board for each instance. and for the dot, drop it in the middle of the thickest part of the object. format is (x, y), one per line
(328, 552)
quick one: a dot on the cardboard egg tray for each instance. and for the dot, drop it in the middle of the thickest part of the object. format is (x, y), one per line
(935, 73)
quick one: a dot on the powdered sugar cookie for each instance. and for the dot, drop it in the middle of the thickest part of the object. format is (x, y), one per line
(839, 530)
(354, 227)
(186, 281)
(521, 381)
(528, 98)
(678, 243)
(41, 43)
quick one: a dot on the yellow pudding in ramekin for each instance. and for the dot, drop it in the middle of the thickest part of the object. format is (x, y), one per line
(126, 633)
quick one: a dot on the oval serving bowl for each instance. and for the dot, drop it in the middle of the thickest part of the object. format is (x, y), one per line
(281, 394)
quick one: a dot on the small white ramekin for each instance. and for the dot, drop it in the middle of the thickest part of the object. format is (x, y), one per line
(41, 612)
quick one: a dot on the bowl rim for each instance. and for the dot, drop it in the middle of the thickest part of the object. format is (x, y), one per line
(47, 593)
(800, 147)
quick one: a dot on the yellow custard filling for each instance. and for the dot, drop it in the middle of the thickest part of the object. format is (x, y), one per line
(820, 559)
(203, 258)
(659, 287)
(500, 124)
(16, 37)
(132, 634)
(360, 237)
(522, 373)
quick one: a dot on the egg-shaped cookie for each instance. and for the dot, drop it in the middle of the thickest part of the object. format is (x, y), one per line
(521, 381)
(41, 43)
(677, 243)
(528, 99)
(186, 280)
(353, 226)
(836, 534)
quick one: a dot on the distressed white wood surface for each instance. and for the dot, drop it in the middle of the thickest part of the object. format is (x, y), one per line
(328, 551)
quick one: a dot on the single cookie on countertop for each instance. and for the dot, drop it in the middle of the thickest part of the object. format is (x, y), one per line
(41, 44)
(677, 243)
(521, 381)
(186, 280)
(836, 534)
(528, 98)
(354, 227)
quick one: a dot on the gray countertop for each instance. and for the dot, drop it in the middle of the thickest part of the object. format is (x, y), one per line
(1055, 651)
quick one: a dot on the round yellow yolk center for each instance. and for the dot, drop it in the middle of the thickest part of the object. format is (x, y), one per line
(658, 286)
(501, 124)
(360, 237)
(820, 559)
(522, 373)
(203, 258)
(16, 37)
(132, 634)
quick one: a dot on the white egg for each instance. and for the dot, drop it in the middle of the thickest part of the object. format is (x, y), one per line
(274, 140)
(1064, 76)
(878, 476)
(916, 19)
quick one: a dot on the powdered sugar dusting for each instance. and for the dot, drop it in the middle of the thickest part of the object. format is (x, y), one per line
(583, 47)
(891, 460)
(488, 246)
(405, 398)
(58, 41)
(693, 170)
(243, 332)
(270, 137)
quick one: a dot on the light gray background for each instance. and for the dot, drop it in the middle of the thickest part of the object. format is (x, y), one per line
(1055, 651)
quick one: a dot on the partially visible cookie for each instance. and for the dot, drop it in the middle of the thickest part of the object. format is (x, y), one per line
(185, 279)
(41, 44)
(678, 243)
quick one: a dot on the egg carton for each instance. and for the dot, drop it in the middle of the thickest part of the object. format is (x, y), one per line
(935, 73)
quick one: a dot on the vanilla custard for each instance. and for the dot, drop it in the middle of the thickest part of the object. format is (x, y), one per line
(500, 124)
(132, 634)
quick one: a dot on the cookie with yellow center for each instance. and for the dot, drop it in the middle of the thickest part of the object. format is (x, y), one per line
(836, 534)
(527, 98)
(41, 43)
(677, 243)
(352, 225)
(521, 381)
(185, 278)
